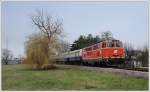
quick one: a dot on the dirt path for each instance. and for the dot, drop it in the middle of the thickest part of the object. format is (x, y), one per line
(131, 73)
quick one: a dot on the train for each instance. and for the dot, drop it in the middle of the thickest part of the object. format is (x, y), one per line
(106, 52)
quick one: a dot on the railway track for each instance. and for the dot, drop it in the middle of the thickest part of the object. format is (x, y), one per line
(131, 73)
(144, 69)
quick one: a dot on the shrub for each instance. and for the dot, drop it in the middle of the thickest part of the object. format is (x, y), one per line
(38, 51)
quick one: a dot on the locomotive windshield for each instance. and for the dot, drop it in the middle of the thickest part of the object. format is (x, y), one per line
(117, 43)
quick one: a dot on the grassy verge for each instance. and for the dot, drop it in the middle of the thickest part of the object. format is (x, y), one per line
(16, 77)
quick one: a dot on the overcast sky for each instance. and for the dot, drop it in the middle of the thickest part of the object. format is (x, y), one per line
(128, 21)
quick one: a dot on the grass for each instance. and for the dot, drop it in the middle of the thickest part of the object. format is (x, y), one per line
(16, 77)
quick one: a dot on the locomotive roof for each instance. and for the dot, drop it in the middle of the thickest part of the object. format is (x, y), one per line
(106, 40)
(103, 40)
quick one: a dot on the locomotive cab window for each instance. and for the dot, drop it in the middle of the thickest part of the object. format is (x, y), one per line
(109, 44)
(113, 44)
(117, 44)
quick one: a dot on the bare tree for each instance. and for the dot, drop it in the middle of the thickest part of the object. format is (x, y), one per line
(65, 46)
(6, 56)
(50, 26)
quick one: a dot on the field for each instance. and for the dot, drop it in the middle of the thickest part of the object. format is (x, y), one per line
(17, 77)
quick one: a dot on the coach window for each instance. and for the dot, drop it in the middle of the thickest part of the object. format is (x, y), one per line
(104, 45)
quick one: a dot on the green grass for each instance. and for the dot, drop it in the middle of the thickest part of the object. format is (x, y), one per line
(16, 77)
